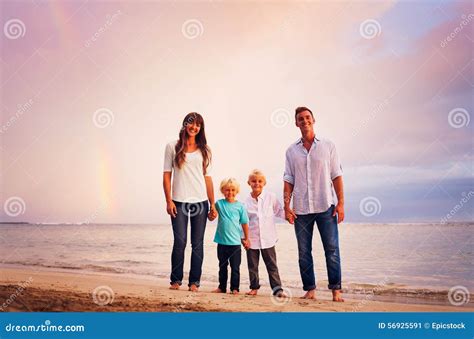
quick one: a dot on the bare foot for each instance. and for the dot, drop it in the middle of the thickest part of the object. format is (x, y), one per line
(309, 295)
(281, 294)
(252, 292)
(234, 292)
(174, 286)
(217, 290)
(194, 288)
(337, 296)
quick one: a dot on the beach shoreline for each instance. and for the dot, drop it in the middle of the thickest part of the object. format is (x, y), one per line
(34, 290)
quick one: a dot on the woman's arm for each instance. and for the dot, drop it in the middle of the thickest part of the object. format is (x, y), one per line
(170, 206)
(213, 216)
(210, 197)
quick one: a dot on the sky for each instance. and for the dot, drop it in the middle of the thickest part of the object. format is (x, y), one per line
(91, 92)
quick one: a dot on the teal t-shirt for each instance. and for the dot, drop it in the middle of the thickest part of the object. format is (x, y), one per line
(229, 226)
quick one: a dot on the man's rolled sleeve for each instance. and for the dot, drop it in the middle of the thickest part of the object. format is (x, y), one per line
(289, 175)
(336, 168)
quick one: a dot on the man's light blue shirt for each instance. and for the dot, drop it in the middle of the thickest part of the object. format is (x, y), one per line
(311, 174)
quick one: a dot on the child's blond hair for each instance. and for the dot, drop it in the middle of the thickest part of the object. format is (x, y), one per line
(257, 173)
(230, 182)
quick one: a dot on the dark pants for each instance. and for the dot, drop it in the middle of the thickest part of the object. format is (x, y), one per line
(229, 254)
(327, 226)
(197, 212)
(269, 258)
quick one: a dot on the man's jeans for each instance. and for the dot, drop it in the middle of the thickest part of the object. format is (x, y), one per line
(327, 226)
(197, 212)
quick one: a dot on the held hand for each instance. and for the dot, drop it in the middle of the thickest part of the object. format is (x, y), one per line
(212, 213)
(339, 210)
(290, 215)
(171, 209)
(246, 243)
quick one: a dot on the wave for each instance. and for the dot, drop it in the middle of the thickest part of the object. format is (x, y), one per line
(85, 267)
(396, 290)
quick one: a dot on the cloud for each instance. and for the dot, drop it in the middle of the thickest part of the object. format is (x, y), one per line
(383, 101)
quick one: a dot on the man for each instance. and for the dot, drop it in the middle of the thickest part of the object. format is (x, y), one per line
(312, 174)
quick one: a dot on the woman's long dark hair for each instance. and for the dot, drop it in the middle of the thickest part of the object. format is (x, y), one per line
(201, 141)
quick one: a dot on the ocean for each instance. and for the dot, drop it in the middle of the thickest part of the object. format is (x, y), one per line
(407, 260)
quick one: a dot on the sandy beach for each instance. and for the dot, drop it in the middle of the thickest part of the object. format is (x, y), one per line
(54, 291)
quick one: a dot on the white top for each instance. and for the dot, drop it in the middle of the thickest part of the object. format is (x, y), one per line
(311, 174)
(188, 184)
(262, 212)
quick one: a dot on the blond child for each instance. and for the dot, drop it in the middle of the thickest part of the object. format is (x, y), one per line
(233, 220)
(262, 208)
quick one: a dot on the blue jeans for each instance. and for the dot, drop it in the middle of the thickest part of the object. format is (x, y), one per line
(197, 212)
(327, 226)
(229, 255)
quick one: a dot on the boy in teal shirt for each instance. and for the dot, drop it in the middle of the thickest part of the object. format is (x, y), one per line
(233, 219)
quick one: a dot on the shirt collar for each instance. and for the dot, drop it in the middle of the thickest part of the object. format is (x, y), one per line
(300, 140)
(260, 197)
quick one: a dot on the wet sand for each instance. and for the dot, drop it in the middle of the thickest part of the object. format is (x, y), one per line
(54, 291)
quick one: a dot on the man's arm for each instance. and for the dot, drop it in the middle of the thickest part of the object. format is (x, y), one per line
(287, 192)
(339, 188)
(288, 185)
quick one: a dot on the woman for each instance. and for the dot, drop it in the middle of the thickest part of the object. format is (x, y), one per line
(189, 195)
